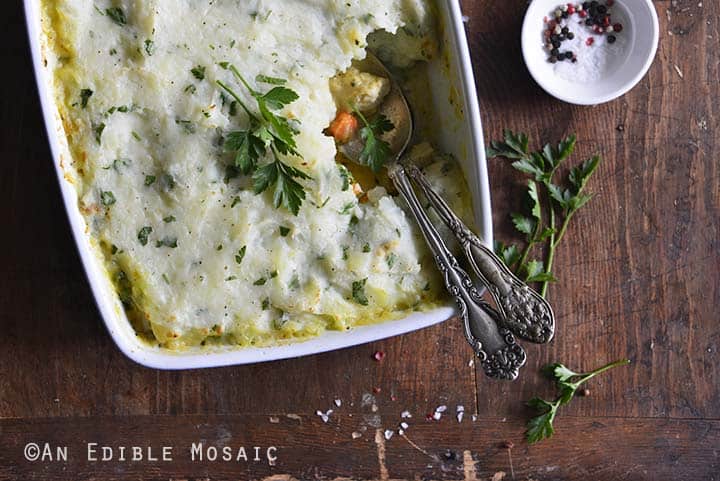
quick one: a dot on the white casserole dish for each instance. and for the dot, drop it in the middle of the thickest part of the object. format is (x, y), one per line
(461, 136)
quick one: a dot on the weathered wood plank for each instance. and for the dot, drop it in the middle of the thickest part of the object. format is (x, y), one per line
(307, 449)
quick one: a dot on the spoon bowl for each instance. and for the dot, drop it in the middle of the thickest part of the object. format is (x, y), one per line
(394, 106)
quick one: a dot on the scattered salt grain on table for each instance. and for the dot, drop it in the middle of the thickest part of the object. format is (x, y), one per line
(325, 416)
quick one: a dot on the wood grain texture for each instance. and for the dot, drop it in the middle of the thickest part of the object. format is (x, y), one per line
(307, 448)
(639, 278)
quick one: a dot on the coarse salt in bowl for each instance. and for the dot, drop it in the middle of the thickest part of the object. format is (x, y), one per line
(603, 71)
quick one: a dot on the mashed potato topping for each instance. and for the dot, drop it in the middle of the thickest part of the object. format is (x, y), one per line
(196, 256)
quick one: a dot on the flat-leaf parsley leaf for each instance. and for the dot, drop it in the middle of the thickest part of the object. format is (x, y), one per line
(376, 151)
(268, 134)
(568, 381)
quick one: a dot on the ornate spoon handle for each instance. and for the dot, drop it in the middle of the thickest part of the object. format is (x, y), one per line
(522, 310)
(500, 356)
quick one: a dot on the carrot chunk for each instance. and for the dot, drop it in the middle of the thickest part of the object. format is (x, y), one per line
(344, 127)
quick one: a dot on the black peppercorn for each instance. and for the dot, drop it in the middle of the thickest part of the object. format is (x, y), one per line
(554, 38)
(554, 52)
(565, 30)
(589, 22)
(594, 3)
(564, 15)
(611, 39)
(556, 44)
(449, 455)
(569, 55)
(586, 5)
(570, 35)
(602, 9)
(553, 59)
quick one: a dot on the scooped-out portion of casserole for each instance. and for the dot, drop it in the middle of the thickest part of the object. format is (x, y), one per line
(203, 137)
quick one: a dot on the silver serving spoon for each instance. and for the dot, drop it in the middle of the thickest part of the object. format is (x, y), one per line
(522, 310)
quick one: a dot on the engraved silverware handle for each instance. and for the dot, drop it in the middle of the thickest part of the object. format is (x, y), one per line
(500, 356)
(522, 310)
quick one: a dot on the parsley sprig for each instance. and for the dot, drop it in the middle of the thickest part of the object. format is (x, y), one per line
(559, 202)
(268, 134)
(568, 382)
(376, 151)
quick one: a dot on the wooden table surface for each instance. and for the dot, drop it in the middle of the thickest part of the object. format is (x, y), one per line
(639, 278)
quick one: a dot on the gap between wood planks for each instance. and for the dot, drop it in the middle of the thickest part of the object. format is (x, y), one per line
(469, 470)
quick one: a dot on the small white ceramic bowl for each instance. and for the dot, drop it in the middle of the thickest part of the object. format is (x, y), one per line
(595, 78)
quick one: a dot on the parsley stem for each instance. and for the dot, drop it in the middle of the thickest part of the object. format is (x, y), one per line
(591, 374)
(242, 79)
(237, 97)
(359, 114)
(532, 241)
(528, 247)
(552, 244)
(563, 228)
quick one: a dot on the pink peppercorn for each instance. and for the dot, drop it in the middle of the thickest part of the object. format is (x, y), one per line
(610, 3)
(618, 27)
(589, 41)
(582, 13)
(379, 355)
(570, 8)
